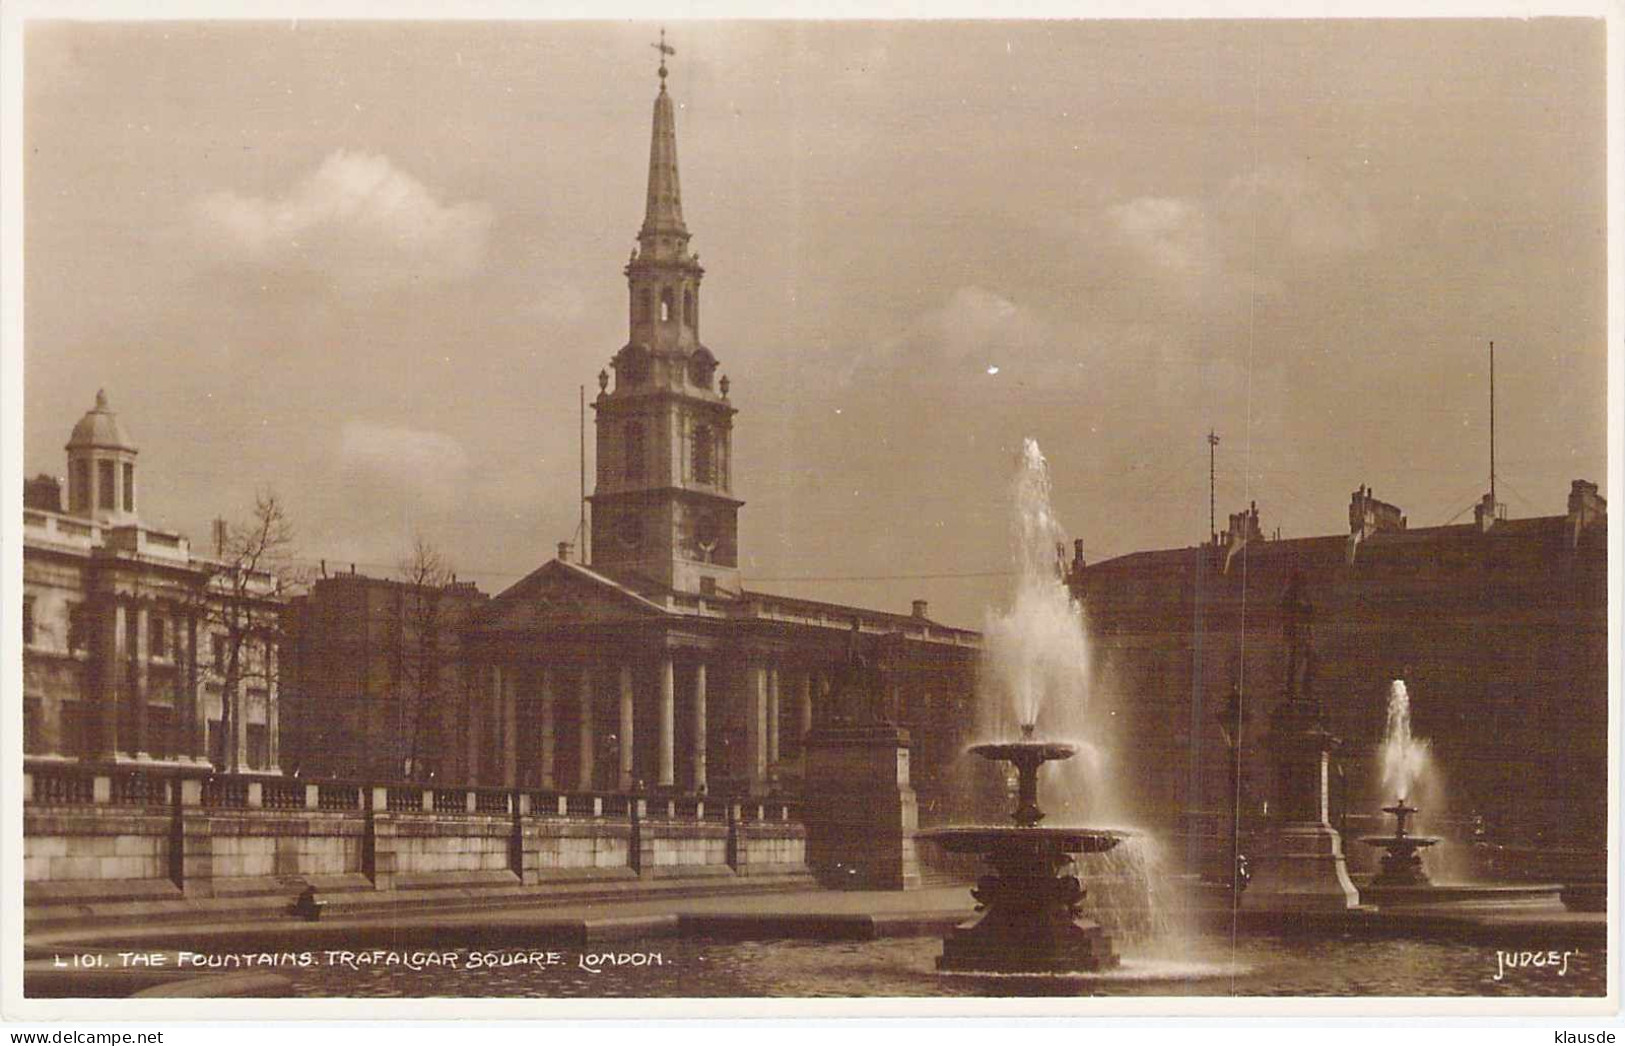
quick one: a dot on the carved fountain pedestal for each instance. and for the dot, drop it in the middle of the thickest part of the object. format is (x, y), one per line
(1402, 864)
(1031, 900)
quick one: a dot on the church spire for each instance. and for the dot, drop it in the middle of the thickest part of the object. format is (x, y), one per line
(664, 213)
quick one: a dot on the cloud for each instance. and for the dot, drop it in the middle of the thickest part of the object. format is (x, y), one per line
(1258, 231)
(397, 462)
(1172, 234)
(975, 329)
(1297, 212)
(357, 222)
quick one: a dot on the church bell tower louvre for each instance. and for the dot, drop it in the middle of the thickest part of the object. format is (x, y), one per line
(662, 505)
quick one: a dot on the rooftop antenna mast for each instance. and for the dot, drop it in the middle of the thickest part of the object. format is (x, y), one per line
(1212, 519)
(581, 527)
(1493, 502)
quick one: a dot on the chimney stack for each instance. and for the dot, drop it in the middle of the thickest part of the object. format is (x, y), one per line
(564, 551)
(920, 608)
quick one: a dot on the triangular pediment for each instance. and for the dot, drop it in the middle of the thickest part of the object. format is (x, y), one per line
(561, 594)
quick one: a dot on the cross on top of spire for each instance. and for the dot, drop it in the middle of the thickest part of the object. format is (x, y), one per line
(664, 49)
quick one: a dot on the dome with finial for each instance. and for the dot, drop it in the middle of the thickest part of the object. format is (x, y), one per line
(100, 428)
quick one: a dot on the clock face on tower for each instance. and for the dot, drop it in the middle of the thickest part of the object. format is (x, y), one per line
(707, 535)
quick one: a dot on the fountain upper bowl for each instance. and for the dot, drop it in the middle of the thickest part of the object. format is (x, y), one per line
(981, 839)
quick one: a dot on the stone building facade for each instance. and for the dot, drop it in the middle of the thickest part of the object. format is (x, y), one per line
(372, 678)
(1499, 629)
(121, 662)
(649, 662)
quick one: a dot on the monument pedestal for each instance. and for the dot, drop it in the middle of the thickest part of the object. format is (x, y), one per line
(1304, 868)
(859, 809)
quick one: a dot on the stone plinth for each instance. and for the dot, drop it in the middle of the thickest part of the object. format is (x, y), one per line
(859, 809)
(1303, 869)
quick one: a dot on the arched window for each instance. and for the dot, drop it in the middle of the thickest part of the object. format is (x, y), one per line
(688, 308)
(632, 463)
(665, 305)
(705, 464)
(648, 305)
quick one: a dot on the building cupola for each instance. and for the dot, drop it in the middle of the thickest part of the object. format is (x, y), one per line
(101, 467)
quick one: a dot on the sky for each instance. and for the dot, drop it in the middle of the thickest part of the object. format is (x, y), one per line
(368, 266)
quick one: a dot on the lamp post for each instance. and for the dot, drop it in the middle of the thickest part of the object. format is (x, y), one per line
(1232, 718)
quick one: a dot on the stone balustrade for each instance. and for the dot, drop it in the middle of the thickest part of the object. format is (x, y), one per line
(111, 832)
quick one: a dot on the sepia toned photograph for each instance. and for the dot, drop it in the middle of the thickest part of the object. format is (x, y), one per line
(1117, 521)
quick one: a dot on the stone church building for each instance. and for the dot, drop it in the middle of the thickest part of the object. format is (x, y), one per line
(649, 661)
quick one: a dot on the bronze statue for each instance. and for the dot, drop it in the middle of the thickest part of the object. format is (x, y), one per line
(861, 693)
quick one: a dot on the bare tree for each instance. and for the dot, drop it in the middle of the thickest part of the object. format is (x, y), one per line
(421, 619)
(239, 604)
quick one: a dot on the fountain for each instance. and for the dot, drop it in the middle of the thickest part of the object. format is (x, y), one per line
(1402, 864)
(1031, 900)
(1402, 879)
(1037, 661)
(1404, 758)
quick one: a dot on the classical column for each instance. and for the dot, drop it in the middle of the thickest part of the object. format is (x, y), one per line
(805, 712)
(509, 704)
(141, 671)
(273, 710)
(474, 724)
(699, 727)
(547, 727)
(584, 742)
(756, 725)
(773, 715)
(113, 656)
(668, 722)
(194, 725)
(628, 737)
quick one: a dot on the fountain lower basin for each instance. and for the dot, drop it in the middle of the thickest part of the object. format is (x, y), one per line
(984, 839)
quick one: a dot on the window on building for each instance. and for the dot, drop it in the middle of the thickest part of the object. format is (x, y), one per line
(217, 743)
(704, 455)
(129, 487)
(160, 731)
(217, 650)
(688, 308)
(258, 746)
(79, 627)
(104, 485)
(81, 486)
(28, 621)
(74, 730)
(157, 637)
(665, 305)
(633, 465)
(33, 727)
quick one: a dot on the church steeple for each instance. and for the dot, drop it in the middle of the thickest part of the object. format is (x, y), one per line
(662, 507)
(663, 215)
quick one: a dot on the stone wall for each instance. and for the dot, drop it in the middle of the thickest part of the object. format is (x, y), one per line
(112, 832)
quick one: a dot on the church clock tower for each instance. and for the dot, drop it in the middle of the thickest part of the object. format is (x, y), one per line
(662, 505)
